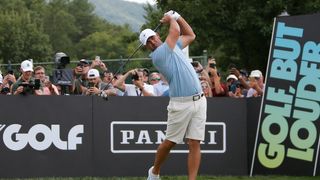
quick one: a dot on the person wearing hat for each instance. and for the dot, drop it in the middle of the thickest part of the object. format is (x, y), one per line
(187, 107)
(80, 77)
(25, 81)
(231, 83)
(256, 84)
(96, 86)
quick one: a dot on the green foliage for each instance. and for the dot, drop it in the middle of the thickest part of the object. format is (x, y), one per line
(234, 31)
(22, 38)
(38, 28)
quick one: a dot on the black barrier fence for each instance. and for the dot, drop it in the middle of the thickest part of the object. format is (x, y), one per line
(89, 136)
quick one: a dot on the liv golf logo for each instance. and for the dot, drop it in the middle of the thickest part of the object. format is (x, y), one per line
(40, 137)
(145, 136)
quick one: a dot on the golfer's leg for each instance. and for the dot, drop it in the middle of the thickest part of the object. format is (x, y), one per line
(194, 158)
(161, 155)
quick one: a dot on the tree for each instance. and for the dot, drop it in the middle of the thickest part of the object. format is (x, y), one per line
(234, 31)
(113, 43)
(85, 19)
(21, 38)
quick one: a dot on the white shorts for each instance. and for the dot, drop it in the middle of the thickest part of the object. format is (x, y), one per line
(186, 118)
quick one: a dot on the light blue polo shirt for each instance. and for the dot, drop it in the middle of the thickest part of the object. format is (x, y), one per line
(181, 76)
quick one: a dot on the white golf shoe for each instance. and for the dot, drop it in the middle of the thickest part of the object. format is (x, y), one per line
(152, 176)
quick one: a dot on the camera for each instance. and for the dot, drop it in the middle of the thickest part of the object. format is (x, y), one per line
(195, 64)
(5, 90)
(212, 65)
(135, 77)
(90, 84)
(28, 88)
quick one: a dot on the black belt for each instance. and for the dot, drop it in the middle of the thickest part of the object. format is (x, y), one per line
(197, 97)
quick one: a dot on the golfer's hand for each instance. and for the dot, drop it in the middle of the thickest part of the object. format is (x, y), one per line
(172, 14)
(165, 19)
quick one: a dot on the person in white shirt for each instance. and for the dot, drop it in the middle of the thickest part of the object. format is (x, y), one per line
(256, 84)
(138, 88)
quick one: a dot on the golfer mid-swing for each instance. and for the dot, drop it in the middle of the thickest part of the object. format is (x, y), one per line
(187, 108)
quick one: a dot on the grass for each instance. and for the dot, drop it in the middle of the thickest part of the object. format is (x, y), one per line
(182, 178)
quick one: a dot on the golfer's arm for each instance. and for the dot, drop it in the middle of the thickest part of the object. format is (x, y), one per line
(187, 34)
(174, 33)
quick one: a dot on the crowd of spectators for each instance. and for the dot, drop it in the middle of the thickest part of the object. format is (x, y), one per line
(93, 78)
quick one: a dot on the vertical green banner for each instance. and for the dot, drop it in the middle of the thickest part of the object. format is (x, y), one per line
(287, 138)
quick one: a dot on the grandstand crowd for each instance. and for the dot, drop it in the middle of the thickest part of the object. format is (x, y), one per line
(94, 78)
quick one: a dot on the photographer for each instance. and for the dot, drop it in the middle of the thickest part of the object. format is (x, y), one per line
(97, 87)
(201, 72)
(25, 85)
(138, 88)
(218, 88)
(6, 83)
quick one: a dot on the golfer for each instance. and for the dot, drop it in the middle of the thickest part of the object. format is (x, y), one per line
(187, 108)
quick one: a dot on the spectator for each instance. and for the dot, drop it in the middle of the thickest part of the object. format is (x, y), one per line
(138, 88)
(46, 87)
(98, 63)
(119, 92)
(80, 80)
(6, 83)
(256, 84)
(242, 77)
(201, 72)
(232, 83)
(108, 77)
(24, 84)
(206, 88)
(162, 87)
(1, 81)
(218, 88)
(238, 92)
(96, 86)
(154, 78)
(146, 73)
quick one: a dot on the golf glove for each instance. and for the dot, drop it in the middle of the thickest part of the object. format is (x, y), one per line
(172, 14)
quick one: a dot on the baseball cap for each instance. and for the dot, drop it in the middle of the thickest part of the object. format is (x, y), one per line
(256, 73)
(145, 34)
(84, 61)
(93, 73)
(26, 65)
(1, 78)
(232, 76)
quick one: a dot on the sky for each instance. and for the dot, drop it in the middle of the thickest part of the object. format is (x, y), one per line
(152, 2)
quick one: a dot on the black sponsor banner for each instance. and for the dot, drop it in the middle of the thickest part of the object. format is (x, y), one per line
(126, 141)
(45, 136)
(288, 130)
(89, 136)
